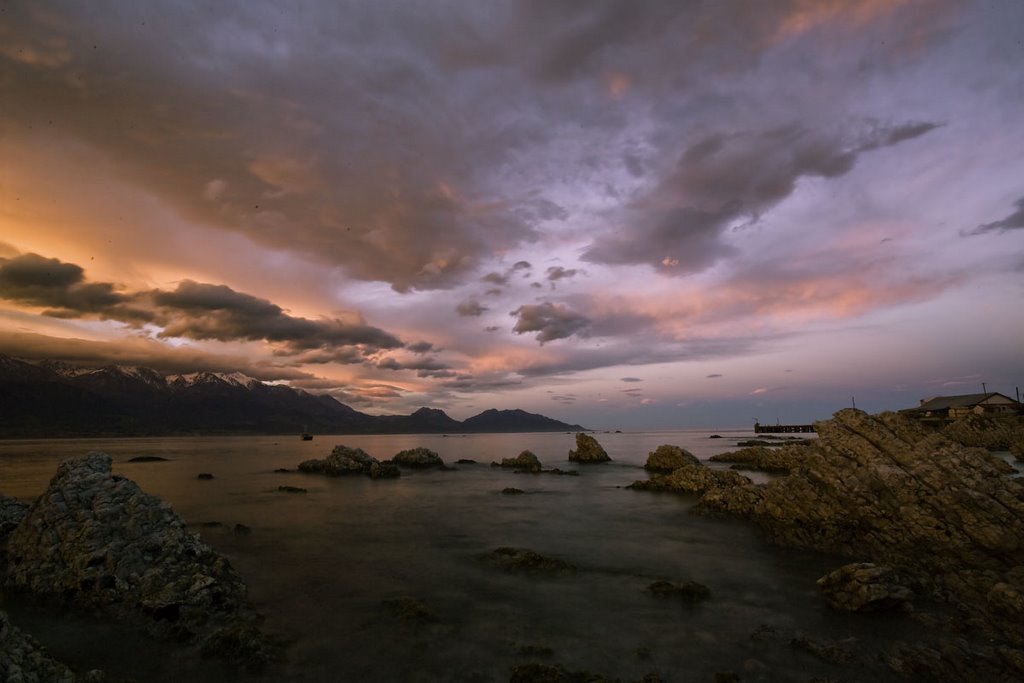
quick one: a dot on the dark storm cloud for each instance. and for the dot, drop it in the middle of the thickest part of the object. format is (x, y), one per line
(420, 347)
(470, 308)
(713, 376)
(631, 379)
(495, 279)
(141, 351)
(219, 312)
(424, 367)
(37, 281)
(559, 273)
(193, 310)
(1015, 221)
(725, 179)
(550, 321)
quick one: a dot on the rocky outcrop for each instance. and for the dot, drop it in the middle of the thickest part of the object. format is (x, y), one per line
(96, 540)
(996, 433)
(418, 458)
(12, 511)
(888, 489)
(775, 459)
(692, 477)
(524, 462)
(587, 450)
(866, 587)
(666, 458)
(344, 461)
(23, 660)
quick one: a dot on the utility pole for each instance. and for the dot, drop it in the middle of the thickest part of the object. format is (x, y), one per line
(984, 390)
(853, 399)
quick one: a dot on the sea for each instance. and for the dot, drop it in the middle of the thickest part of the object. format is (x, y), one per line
(322, 566)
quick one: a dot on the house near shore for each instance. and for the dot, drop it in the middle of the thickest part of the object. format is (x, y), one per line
(953, 407)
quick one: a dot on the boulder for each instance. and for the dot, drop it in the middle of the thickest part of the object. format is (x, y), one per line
(776, 459)
(418, 457)
(866, 587)
(344, 461)
(94, 539)
(587, 450)
(525, 461)
(666, 458)
(691, 477)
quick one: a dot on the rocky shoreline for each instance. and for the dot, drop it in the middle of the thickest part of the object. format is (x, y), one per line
(931, 526)
(919, 511)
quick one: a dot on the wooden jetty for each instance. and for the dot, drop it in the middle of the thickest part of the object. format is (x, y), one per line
(782, 429)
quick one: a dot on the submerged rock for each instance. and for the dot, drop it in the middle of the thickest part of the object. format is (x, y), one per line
(384, 470)
(95, 539)
(527, 561)
(409, 609)
(666, 458)
(525, 461)
(866, 587)
(291, 489)
(587, 450)
(686, 591)
(512, 491)
(147, 458)
(418, 457)
(204, 476)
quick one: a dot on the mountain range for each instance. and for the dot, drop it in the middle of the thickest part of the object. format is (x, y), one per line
(56, 399)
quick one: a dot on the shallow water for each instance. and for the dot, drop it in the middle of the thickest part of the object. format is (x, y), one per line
(319, 565)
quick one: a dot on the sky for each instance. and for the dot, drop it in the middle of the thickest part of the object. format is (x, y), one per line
(622, 214)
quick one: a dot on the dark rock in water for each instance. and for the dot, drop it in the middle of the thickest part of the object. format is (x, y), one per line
(96, 540)
(866, 587)
(147, 458)
(345, 461)
(587, 450)
(418, 457)
(531, 650)
(291, 489)
(525, 461)
(24, 660)
(727, 677)
(409, 609)
(282, 470)
(715, 436)
(686, 591)
(242, 530)
(527, 561)
(553, 673)
(695, 477)
(566, 473)
(666, 458)
(466, 461)
(512, 491)
(204, 476)
(831, 652)
(384, 470)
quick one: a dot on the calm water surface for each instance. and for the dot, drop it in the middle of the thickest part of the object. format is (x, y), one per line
(319, 565)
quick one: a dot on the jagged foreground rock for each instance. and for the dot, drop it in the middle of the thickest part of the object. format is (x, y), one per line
(95, 539)
(23, 660)
(889, 490)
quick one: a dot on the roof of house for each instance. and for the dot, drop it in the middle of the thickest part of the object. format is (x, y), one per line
(963, 401)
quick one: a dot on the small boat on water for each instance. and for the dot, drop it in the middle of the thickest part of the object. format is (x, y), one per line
(306, 436)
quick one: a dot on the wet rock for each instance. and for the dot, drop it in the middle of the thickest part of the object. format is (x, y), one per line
(866, 587)
(685, 591)
(282, 470)
(24, 660)
(525, 461)
(418, 457)
(560, 472)
(147, 458)
(204, 476)
(344, 461)
(666, 458)
(715, 436)
(512, 491)
(94, 539)
(955, 661)
(527, 561)
(535, 651)
(466, 461)
(291, 489)
(727, 677)
(242, 530)
(692, 477)
(827, 651)
(12, 511)
(553, 673)
(587, 450)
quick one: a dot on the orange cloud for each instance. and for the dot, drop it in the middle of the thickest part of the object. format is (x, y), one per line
(852, 15)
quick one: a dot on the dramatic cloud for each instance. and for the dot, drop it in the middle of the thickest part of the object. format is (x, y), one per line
(37, 281)
(550, 321)
(1015, 221)
(725, 179)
